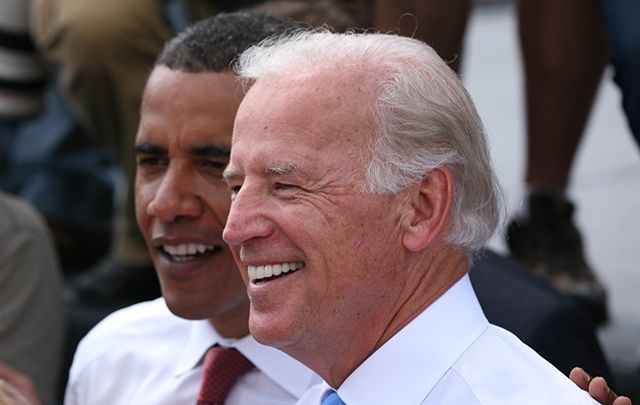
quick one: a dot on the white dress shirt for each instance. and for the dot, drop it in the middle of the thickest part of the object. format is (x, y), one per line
(144, 354)
(450, 354)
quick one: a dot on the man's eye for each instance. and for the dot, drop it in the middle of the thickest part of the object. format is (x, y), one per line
(214, 164)
(149, 161)
(284, 186)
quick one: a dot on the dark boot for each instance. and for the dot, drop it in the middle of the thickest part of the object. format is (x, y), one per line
(546, 240)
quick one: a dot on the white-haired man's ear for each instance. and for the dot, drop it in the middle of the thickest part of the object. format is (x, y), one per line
(428, 214)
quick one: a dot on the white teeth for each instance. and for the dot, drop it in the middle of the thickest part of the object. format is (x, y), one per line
(186, 249)
(260, 272)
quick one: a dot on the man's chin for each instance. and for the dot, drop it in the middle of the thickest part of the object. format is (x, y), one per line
(270, 334)
(186, 307)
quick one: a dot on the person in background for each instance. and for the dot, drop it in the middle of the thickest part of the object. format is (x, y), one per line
(45, 158)
(32, 316)
(563, 48)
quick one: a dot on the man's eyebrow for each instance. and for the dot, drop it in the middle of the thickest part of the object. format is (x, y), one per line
(285, 169)
(231, 173)
(210, 150)
(149, 148)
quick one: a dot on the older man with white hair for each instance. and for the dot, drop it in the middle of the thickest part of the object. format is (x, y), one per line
(362, 187)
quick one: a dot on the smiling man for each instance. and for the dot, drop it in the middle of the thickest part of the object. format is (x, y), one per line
(182, 147)
(359, 163)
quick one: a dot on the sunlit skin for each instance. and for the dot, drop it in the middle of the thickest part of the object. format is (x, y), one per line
(182, 147)
(371, 262)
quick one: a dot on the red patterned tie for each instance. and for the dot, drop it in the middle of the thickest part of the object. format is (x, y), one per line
(222, 368)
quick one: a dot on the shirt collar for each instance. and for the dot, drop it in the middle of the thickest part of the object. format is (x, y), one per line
(201, 336)
(288, 373)
(419, 354)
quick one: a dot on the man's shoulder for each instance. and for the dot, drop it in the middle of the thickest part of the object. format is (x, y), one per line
(131, 329)
(498, 368)
(140, 319)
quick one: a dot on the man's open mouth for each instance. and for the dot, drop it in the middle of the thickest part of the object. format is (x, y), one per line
(267, 272)
(187, 251)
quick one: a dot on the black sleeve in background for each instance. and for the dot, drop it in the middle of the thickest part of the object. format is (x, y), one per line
(553, 325)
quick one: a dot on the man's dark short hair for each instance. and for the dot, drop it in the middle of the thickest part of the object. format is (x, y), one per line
(212, 44)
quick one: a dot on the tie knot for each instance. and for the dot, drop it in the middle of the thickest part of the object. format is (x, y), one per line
(332, 399)
(222, 368)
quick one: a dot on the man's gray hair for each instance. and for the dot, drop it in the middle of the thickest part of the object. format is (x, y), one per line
(424, 118)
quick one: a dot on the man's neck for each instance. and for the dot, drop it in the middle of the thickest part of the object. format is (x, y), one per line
(232, 325)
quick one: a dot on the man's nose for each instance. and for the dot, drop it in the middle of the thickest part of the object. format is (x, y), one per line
(177, 196)
(249, 218)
